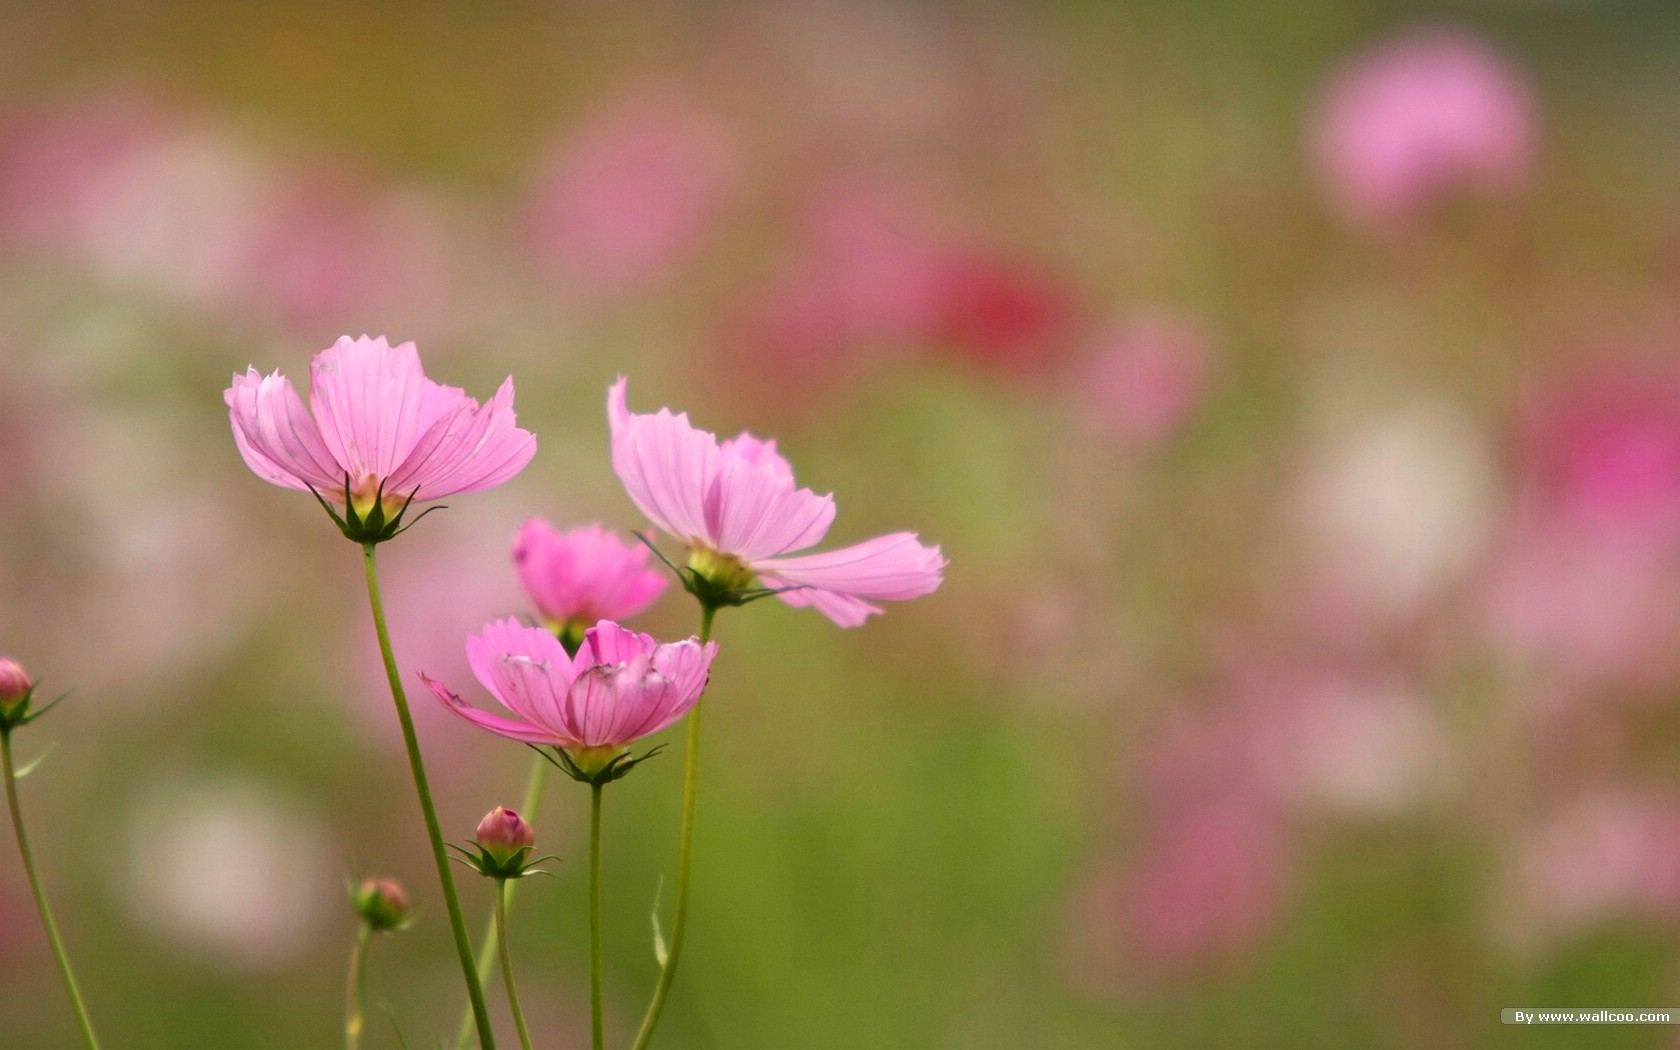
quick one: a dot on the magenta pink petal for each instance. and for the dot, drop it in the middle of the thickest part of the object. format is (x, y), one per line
(585, 574)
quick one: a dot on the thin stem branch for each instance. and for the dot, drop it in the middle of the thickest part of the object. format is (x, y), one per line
(507, 965)
(355, 1012)
(685, 851)
(457, 926)
(488, 943)
(595, 1019)
(70, 988)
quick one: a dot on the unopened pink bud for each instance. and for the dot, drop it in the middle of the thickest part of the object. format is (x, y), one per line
(503, 833)
(15, 686)
(382, 903)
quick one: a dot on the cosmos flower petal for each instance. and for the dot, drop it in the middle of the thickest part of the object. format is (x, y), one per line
(584, 574)
(843, 609)
(895, 567)
(514, 729)
(472, 449)
(754, 511)
(523, 667)
(275, 435)
(373, 402)
(666, 465)
(609, 643)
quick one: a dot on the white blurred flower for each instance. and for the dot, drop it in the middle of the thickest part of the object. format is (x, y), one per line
(1393, 507)
(228, 870)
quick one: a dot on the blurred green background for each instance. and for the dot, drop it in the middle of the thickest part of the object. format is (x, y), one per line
(1294, 389)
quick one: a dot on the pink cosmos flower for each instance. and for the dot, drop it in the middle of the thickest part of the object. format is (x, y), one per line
(1426, 114)
(620, 687)
(378, 433)
(634, 193)
(583, 575)
(1145, 378)
(736, 506)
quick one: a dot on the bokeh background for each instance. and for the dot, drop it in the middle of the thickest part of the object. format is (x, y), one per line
(1294, 388)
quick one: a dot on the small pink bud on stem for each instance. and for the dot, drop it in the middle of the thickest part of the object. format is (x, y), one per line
(382, 904)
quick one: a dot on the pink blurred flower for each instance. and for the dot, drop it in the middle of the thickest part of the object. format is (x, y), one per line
(1145, 378)
(620, 687)
(381, 433)
(1427, 114)
(736, 506)
(633, 193)
(1210, 884)
(1588, 575)
(1614, 852)
(1602, 448)
(584, 574)
(999, 312)
(328, 247)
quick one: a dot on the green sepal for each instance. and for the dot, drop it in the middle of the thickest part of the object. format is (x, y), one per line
(22, 711)
(518, 864)
(709, 592)
(374, 527)
(616, 768)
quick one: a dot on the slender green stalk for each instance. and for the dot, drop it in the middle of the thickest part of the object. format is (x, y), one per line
(507, 964)
(685, 850)
(70, 989)
(457, 926)
(358, 981)
(487, 945)
(595, 1021)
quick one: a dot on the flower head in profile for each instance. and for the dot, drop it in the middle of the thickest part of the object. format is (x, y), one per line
(376, 436)
(620, 687)
(581, 576)
(736, 506)
(1423, 116)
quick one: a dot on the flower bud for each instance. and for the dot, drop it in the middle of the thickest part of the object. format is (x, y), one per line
(15, 688)
(503, 835)
(382, 904)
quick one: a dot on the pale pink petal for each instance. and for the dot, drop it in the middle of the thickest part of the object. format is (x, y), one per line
(508, 727)
(608, 643)
(373, 403)
(276, 437)
(759, 453)
(686, 665)
(523, 667)
(754, 512)
(843, 609)
(666, 465)
(472, 449)
(891, 568)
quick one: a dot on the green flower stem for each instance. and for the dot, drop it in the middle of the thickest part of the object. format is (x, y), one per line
(358, 981)
(457, 926)
(502, 888)
(487, 945)
(595, 1022)
(70, 989)
(685, 850)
